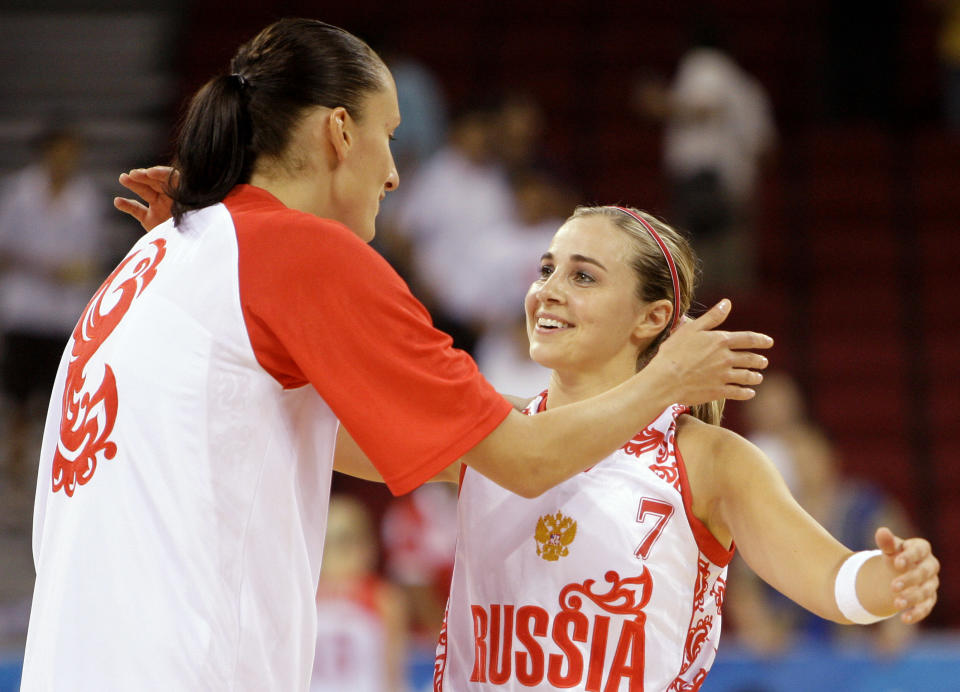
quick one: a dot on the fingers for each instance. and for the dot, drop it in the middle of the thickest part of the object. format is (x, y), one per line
(139, 189)
(131, 207)
(920, 574)
(912, 551)
(712, 317)
(741, 341)
(916, 602)
(918, 612)
(736, 393)
(146, 187)
(749, 361)
(163, 174)
(915, 588)
(887, 541)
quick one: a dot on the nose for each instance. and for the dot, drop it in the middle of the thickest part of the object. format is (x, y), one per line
(551, 290)
(393, 178)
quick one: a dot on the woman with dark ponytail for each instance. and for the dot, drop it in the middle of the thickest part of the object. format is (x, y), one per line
(243, 349)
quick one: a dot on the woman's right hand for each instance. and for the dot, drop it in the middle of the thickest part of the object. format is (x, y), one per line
(152, 185)
(703, 364)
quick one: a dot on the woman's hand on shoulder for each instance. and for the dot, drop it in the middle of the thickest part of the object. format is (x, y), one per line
(704, 363)
(153, 186)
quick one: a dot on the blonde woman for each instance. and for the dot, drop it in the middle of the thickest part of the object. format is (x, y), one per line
(615, 579)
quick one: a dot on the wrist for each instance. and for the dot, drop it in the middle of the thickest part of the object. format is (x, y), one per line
(658, 384)
(846, 593)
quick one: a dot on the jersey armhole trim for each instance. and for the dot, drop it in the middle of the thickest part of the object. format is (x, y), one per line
(706, 541)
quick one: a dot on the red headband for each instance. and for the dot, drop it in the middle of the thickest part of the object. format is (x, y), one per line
(666, 254)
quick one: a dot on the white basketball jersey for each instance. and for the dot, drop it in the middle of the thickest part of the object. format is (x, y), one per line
(185, 471)
(606, 582)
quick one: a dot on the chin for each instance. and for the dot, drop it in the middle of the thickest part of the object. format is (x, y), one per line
(366, 231)
(540, 357)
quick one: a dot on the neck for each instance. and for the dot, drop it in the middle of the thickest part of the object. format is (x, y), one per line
(571, 387)
(300, 193)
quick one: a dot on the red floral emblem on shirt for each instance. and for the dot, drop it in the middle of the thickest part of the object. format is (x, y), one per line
(700, 589)
(627, 596)
(680, 685)
(718, 591)
(663, 442)
(89, 407)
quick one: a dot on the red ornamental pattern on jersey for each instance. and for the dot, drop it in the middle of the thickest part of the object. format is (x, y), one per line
(440, 662)
(701, 624)
(664, 443)
(89, 407)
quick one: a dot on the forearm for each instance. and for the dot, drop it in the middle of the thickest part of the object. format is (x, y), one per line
(530, 454)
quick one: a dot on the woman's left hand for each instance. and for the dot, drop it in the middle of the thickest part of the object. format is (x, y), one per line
(152, 185)
(915, 586)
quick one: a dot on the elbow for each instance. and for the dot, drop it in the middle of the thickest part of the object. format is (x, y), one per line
(530, 490)
(528, 479)
(534, 480)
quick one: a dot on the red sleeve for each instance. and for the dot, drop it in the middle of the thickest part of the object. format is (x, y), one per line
(322, 307)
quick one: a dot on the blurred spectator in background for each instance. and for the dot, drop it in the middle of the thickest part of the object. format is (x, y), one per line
(420, 95)
(423, 107)
(361, 619)
(766, 622)
(503, 349)
(948, 48)
(518, 133)
(419, 533)
(51, 221)
(469, 226)
(445, 212)
(719, 134)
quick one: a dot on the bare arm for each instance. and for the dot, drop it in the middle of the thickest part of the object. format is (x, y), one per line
(741, 495)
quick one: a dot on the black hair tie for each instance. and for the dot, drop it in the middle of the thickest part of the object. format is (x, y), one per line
(242, 81)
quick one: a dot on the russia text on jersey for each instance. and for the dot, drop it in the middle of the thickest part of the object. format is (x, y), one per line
(569, 648)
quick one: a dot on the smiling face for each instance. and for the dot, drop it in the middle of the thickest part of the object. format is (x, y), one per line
(367, 171)
(583, 313)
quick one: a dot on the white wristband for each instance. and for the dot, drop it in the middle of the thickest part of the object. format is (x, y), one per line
(845, 589)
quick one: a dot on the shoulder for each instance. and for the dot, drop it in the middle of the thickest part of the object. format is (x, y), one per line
(704, 440)
(720, 464)
(284, 240)
(726, 454)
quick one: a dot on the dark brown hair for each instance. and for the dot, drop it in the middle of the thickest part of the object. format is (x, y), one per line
(252, 110)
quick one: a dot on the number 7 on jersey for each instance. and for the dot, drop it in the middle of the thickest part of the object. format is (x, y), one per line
(653, 516)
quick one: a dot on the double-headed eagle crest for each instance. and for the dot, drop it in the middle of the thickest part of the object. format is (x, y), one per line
(554, 533)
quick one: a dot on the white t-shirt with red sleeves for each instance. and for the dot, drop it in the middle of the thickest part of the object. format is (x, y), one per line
(605, 583)
(186, 462)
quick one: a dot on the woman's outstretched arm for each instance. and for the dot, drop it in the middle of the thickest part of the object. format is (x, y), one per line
(742, 497)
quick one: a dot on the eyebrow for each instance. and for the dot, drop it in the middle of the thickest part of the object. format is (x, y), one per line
(577, 258)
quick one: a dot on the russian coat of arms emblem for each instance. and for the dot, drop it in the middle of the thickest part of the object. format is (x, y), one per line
(555, 532)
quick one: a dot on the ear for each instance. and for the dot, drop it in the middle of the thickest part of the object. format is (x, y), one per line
(339, 128)
(653, 319)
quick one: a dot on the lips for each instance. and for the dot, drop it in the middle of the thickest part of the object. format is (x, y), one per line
(551, 322)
